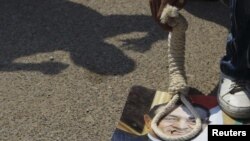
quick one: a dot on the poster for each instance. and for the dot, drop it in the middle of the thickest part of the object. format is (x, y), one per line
(142, 104)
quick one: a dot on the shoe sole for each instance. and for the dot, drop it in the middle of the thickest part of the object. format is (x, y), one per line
(232, 111)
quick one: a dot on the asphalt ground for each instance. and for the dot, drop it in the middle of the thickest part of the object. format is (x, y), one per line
(66, 67)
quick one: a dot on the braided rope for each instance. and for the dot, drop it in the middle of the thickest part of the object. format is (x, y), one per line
(177, 82)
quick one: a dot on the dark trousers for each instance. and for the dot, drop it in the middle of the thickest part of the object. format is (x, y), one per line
(236, 62)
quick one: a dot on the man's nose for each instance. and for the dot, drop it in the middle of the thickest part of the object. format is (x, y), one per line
(181, 124)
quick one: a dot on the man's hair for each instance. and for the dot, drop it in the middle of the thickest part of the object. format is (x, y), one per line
(152, 112)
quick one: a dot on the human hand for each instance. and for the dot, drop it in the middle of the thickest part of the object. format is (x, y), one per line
(165, 11)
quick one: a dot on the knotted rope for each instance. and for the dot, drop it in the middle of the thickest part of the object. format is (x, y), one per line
(177, 83)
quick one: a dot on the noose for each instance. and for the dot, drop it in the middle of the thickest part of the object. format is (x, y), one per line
(177, 83)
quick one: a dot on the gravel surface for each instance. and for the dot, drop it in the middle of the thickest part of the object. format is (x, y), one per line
(66, 67)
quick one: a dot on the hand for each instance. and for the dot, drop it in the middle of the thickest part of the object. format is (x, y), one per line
(157, 7)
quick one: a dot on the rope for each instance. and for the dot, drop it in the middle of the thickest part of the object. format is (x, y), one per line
(177, 82)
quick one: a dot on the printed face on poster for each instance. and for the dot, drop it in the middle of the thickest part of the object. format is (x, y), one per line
(141, 107)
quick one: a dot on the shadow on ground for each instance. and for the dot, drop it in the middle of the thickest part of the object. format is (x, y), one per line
(30, 27)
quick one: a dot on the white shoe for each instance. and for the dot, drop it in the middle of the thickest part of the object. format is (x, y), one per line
(234, 97)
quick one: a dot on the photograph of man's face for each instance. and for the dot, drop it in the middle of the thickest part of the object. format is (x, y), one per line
(179, 122)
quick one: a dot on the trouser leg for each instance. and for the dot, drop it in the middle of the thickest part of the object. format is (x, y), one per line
(236, 62)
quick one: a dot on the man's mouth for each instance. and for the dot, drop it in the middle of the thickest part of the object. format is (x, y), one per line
(177, 132)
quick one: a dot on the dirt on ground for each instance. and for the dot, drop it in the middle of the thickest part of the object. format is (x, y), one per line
(66, 66)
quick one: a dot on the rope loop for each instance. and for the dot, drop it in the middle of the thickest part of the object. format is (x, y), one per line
(177, 79)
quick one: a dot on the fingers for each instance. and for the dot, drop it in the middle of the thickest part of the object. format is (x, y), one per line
(180, 3)
(154, 6)
(157, 7)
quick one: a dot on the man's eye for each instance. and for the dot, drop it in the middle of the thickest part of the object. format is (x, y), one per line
(170, 119)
